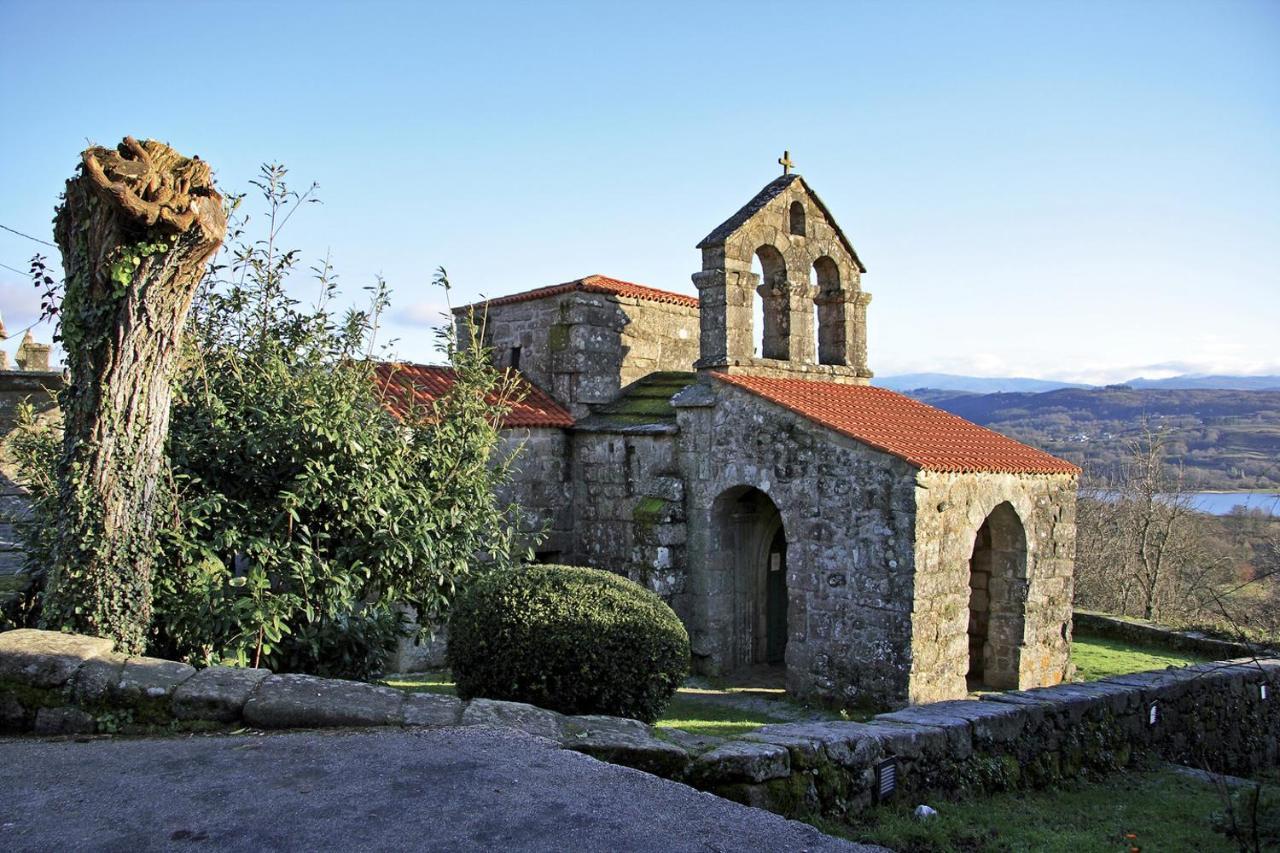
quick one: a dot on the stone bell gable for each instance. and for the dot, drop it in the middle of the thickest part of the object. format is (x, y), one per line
(807, 263)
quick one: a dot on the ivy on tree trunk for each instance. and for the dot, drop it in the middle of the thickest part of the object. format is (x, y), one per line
(136, 228)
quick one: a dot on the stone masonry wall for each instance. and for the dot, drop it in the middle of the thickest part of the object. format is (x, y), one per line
(660, 337)
(1224, 716)
(1143, 632)
(950, 508)
(848, 516)
(40, 390)
(583, 348)
(629, 510)
(540, 485)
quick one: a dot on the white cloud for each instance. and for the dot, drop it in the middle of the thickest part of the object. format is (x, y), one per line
(19, 303)
(431, 315)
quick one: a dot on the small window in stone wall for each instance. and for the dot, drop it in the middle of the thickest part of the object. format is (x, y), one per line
(797, 219)
(515, 358)
(630, 470)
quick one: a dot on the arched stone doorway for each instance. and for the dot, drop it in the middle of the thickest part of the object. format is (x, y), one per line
(997, 600)
(751, 550)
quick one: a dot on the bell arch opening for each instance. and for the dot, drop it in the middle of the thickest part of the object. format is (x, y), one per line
(751, 552)
(775, 334)
(757, 309)
(997, 600)
(830, 312)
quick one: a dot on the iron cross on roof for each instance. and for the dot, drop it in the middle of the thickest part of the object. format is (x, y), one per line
(785, 162)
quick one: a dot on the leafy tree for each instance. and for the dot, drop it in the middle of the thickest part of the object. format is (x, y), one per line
(306, 515)
(1142, 548)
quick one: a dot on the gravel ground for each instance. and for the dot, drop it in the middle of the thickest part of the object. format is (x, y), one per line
(427, 789)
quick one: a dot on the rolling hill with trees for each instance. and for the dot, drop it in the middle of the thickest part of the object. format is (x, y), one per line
(1225, 439)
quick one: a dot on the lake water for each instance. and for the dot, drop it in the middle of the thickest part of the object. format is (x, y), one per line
(1221, 503)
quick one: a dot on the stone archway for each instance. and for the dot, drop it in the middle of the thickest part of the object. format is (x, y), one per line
(997, 600)
(751, 552)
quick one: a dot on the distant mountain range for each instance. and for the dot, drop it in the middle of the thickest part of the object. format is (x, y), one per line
(997, 385)
(1224, 439)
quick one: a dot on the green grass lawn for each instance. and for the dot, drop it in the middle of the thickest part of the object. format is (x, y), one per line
(1155, 810)
(692, 712)
(438, 681)
(698, 710)
(1099, 657)
(712, 708)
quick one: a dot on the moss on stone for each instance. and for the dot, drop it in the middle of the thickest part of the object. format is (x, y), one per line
(648, 512)
(641, 405)
(14, 583)
(647, 401)
(33, 698)
(793, 795)
(558, 337)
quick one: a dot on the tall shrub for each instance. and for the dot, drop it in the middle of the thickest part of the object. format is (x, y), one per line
(304, 513)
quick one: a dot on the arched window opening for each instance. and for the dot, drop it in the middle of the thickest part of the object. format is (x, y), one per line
(830, 312)
(775, 338)
(797, 219)
(997, 600)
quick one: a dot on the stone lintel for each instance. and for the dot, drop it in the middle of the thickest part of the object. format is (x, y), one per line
(778, 369)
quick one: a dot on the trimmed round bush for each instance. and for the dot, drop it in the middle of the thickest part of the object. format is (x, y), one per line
(575, 640)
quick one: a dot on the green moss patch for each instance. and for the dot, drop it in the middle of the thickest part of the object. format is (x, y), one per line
(647, 401)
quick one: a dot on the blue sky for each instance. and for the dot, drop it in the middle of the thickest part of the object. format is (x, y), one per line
(1073, 190)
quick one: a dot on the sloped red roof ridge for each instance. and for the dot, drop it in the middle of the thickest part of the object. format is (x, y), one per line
(924, 436)
(403, 386)
(592, 284)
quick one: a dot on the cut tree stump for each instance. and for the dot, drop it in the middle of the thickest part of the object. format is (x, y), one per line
(136, 228)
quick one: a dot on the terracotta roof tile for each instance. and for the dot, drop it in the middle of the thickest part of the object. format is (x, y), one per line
(593, 284)
(926, 437)
(403, 385)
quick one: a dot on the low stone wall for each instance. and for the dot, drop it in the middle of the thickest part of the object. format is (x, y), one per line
(1212, 715)
(1149, 633)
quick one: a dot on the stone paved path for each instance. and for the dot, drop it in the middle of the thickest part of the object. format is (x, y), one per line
(427, 789)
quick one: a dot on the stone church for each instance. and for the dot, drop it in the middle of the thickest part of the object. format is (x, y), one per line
(883, 551)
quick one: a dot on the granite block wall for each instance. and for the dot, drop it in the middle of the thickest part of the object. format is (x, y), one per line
(583, 348)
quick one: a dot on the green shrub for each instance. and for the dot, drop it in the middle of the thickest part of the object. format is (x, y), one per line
(354, 645)
(576, 640)
(301, 510)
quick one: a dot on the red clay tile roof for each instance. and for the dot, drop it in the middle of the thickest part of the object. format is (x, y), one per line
(402, 385)
(926, 437)
(593, 284)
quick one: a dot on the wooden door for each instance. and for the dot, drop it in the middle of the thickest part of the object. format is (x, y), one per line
(776, 600)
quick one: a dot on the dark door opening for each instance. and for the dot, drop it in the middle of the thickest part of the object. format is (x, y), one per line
(776, 600)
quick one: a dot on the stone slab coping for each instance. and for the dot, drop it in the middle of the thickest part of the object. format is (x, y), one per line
(54, 683)
(1152, 633)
